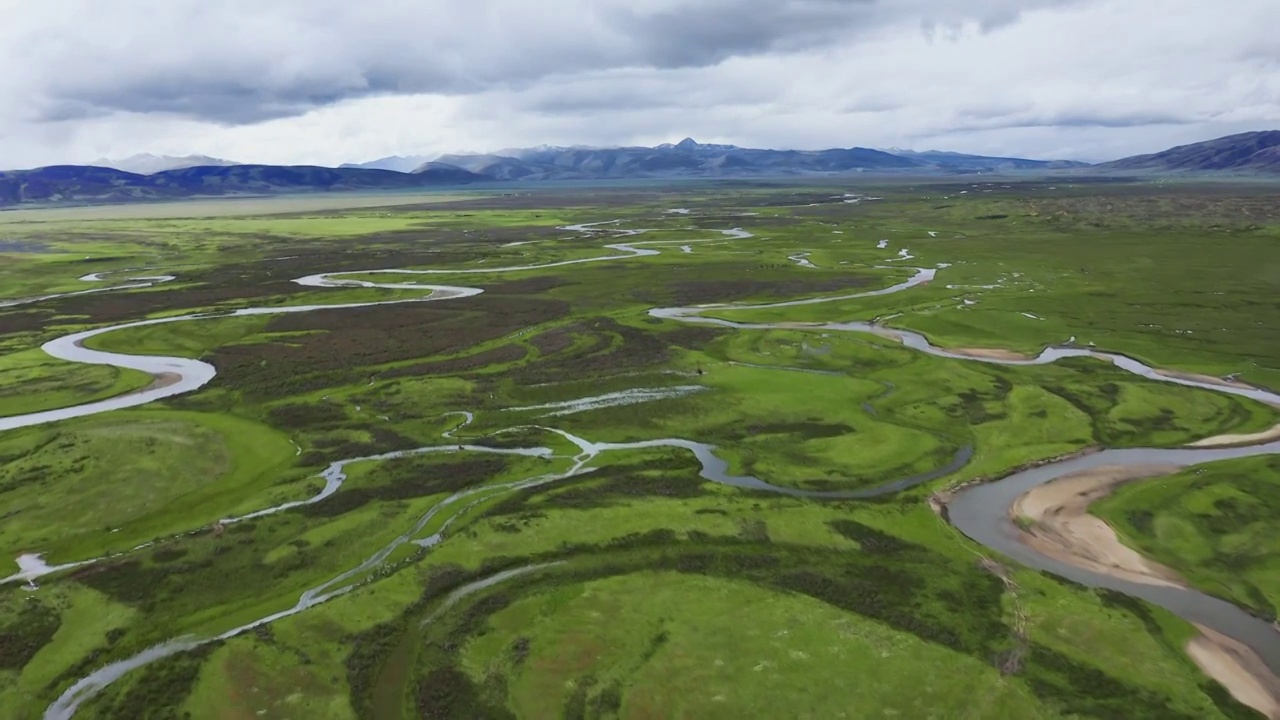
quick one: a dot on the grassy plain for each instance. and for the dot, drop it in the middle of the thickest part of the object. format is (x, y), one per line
(31, 381)
(647, 590)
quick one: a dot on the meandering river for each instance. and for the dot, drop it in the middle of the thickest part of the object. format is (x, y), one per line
(979, 512)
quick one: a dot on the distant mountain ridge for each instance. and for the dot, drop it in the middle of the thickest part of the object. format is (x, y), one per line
(686, 158)
(1253, 152)
(985, 163)
(689, 158)
(148, 164)
(1256, 153)
(80, 183)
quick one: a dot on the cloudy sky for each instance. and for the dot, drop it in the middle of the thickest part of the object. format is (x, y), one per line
(330, 81)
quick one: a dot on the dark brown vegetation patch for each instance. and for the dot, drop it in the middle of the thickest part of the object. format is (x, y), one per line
(554, 340)
(264, 279)
(527, 286)
(673, 476)
(808, 430)
(23, 320)
(408, 478)
(704, 291)
(381, 440)
(122, 306)
(542, 199)
(26, 633)
(449, 693)
(1224, 207)
(305, 415)
(605, 347)
(467, 363)
(343, 341)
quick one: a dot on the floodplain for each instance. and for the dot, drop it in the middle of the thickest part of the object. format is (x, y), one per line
(553, 499)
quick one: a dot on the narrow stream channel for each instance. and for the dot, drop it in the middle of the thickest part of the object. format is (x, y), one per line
(979, 512)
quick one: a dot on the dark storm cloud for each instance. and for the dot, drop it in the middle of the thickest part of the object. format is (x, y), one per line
(238, 62)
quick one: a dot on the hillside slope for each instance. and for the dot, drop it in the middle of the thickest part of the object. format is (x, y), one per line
(1255, 152)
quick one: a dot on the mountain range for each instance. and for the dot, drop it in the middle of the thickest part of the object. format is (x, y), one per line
(689, 158)
(1256, 153)
(81, 183)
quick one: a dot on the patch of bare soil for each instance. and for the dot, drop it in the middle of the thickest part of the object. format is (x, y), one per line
(990, 353)
(1056, 522)
(1239, 439)
(1238, 669)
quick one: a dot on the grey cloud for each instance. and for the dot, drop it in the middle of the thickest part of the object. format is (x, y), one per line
(711, 31)
(1114, 121)
(236, 62)
(59, 111)
(223, 99)
(577, 101)
(633, 90)
(1075, 118)
(300, 81)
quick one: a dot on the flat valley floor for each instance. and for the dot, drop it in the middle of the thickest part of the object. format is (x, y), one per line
(645, 452)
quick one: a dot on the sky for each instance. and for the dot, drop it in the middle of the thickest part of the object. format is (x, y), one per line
(331, 81)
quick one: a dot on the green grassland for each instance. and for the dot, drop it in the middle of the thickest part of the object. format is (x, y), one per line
(31, 381)
(105, 484)
(641, 589)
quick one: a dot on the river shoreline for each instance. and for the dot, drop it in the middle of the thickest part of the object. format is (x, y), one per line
(993, 354)
(1236, 440)
(939, 500)
(1238, 669)
(1053, 519)
(161, 380)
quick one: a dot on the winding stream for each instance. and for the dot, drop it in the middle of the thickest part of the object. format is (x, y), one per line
(979, 512)
(174, 375)
(134, 283)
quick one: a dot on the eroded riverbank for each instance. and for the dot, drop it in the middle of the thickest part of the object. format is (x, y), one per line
(1038, 517)
(1054, 520)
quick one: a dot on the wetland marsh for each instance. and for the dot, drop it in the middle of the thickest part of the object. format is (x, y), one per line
(585, 478)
